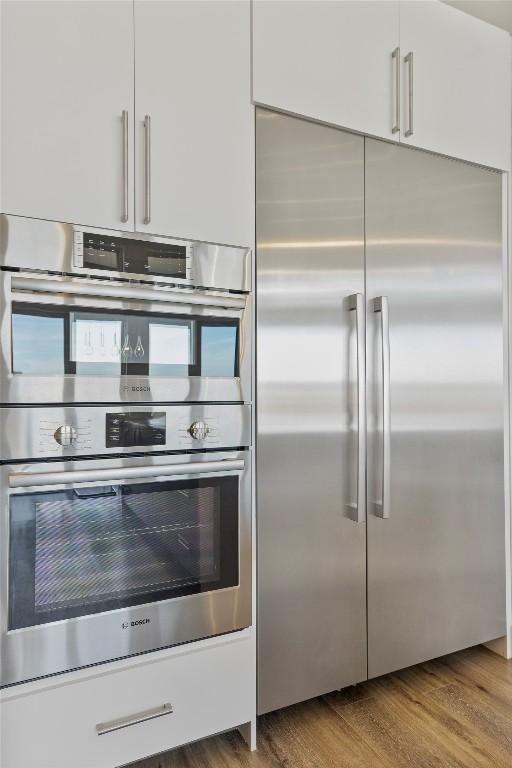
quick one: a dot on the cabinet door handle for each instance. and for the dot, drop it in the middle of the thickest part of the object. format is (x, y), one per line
(409, 59)
(124, 217)
(356, 304)
(147, 169)
(397, 64)
(380, 304)
(139, 717)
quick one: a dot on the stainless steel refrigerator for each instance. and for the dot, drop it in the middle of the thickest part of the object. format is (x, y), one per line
(380, 455)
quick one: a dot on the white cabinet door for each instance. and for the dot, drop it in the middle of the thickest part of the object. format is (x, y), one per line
(66, 77)
(327, 60)
(193, 80)
(461, 83)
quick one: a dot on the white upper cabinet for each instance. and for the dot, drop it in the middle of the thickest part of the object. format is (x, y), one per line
(66, 78)
(328, 60)
(195, 178)
(460, 83)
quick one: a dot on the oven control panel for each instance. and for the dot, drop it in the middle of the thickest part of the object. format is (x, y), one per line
(131, 428)
(68, 432)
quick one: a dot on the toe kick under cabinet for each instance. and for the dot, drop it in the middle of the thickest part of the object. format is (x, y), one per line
(208, 685)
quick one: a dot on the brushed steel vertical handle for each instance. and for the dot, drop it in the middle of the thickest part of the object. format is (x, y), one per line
(147, 169)
(124, 216)
(397, 63)
(380, 304)
(356, 304)
(409, 59)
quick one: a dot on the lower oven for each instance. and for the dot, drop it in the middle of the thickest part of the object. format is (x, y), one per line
(102, 558)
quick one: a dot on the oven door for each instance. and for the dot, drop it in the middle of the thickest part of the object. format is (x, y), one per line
(77, 340)
(104, 559)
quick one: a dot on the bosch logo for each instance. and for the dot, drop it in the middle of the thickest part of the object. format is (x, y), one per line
(141, 388)
(137, 623)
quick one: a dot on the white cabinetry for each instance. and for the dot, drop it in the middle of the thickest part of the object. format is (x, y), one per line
(461, 83)
(331, 60)
(210, 686)
(70, 71)
(327, 60)
(192, 78)
(66, 77)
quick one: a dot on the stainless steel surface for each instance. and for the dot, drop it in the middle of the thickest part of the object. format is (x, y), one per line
(147, 169)
(65, 435)
(396, 96)
(139, 717)
(124, 216)
(199, 430)
(79, 291)
(56, 647)
(81, 287)
(29, 432)
(33, 244)
(310, 260)
(382, 505)
(34, 479)
(436, 568)
(356, 303)
(409, 59)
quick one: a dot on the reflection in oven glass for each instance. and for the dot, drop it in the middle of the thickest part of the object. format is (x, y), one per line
(38, 344)
(88, 342)
(98, 549)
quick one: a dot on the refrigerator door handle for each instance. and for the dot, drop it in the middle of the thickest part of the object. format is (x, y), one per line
(356, 303)
(383, 507)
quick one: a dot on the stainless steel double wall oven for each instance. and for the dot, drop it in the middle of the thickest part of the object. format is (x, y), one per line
(125, 434)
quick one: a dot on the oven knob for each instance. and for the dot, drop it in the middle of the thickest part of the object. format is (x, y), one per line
(65, 435)
(199, 430)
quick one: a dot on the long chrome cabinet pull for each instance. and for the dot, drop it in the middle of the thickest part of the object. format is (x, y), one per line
(397, 63)
(140, 717)
(380, 304)
(124, 217)
(409, 59)
(147, 169)
(29, 479)
(356, 303)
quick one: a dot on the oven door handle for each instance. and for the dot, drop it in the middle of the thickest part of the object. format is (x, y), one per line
(30, 479)
(125, 293)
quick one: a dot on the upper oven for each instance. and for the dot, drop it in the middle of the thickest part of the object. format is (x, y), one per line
(69, 335)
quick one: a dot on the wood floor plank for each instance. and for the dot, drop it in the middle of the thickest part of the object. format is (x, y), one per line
(453, 712)
(312, 734)
(491, 729)
(405, 726)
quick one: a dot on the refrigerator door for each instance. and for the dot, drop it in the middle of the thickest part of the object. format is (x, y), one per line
(311, 547)
(435, 388)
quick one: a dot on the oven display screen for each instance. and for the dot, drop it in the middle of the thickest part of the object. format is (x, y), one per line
(124, 254)
(125, 430)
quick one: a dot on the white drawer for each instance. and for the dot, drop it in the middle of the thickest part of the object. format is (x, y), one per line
(211, 689)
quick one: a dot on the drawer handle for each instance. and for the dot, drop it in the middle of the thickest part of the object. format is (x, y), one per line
(140, 717)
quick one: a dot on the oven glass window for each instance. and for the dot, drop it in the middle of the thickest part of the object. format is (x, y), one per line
(79, 552)
(38, 344)
(50, 340)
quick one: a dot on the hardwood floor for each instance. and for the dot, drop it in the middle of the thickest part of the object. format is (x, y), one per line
(454, 712)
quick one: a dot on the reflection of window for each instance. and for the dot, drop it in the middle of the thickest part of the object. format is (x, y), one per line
(218, 350)
(97, 341)
(170, 344)
(37, 344)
